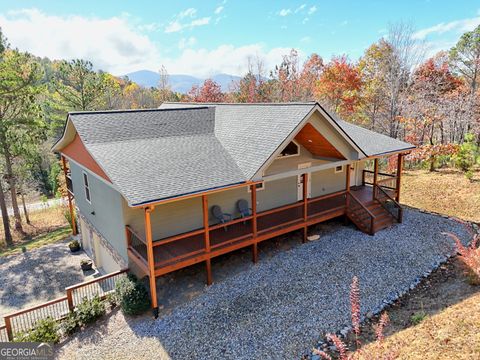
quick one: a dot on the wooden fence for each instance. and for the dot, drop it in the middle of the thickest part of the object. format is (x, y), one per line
(25, 320)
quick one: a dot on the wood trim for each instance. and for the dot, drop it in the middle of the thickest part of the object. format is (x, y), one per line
(280, 208)
(206, 230)
(151, 261)
(253, 191)
(317, 144)
(399, 176)
(70, 198)
(177, 237)
(77, 151)
(189, 196)
(375, 176)
(138, 259)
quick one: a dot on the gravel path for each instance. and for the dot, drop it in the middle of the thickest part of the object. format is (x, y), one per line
(37, 276)
(279, 307)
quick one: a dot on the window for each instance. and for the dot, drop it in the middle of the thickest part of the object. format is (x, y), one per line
(338, 169)
(87, 187)
(292, 149)
(259, 186)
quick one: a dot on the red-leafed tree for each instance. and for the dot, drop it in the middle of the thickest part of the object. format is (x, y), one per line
(339, 85)
(310, 74)
(210, 91)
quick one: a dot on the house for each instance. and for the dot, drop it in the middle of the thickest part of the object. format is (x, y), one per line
(158, 190)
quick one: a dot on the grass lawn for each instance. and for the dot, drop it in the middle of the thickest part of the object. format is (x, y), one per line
(439, 320)
(48, 238)
(47, 226)
(445, 191)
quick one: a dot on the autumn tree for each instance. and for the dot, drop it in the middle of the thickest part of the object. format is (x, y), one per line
(286, 79)
(339, 85)
(309, 76)
(209, 91)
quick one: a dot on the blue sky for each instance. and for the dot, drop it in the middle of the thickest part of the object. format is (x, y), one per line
(206, 37)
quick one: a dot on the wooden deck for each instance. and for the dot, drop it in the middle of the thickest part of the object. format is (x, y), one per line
(186, 249)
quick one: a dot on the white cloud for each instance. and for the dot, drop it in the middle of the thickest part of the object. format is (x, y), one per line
(190, 12)
(284, 12)
(305, 20)
(306, 39)
(459, 26)
(177, 24)
(312, 10)
(300, 8)
(224, 59)
(344, 23)
(218, 10)
(187, 42)
(111, 44)
(118, 45)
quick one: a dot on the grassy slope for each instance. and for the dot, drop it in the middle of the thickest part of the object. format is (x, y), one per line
(41, 240)
(445, 191)
(451, 334)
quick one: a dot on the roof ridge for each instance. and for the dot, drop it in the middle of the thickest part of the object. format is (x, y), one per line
(241, 104)
(133, 110)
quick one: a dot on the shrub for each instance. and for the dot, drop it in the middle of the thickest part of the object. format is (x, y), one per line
(132, 295)
(89, 310)
(45, 330)
(466, 156)
(70, 324)
(469, 255)
(418, 317)
(74, 244)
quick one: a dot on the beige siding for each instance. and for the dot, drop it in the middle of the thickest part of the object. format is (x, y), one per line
(327, 181)
(277, 193)
(282, 165)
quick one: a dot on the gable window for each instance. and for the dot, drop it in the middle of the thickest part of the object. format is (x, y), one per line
(292, 149)
(258, 186)
(338, 169)
(86, 186)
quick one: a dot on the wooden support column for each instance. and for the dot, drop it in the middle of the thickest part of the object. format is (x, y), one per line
(375, 177)
(151, 260)
(347, 189)
(208, 262)
(253, 191)
(305, 206)
(399, 176)
(69, 197)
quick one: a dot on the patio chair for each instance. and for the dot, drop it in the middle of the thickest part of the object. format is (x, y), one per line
(243, 209)
(220, 215)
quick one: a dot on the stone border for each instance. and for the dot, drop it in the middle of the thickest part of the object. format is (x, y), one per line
(104, 242)
(392, 298)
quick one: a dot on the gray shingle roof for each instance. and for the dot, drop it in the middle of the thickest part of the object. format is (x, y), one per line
(186, 148)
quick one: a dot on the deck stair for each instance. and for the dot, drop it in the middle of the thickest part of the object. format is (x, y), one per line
(363, 219)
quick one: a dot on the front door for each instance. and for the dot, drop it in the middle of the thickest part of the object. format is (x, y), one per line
(300, 187)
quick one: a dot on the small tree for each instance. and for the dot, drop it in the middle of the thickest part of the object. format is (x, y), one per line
(467, 153)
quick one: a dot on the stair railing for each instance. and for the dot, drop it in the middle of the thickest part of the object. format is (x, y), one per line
(388, 203)
(356, 211)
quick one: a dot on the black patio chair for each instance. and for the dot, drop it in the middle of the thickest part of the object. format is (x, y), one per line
(243, 209)
(220, 215)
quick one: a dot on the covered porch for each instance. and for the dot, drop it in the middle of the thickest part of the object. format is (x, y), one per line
(371, 206)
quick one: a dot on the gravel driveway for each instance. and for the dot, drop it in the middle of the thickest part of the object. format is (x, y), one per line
(37, 276)
(279, 307)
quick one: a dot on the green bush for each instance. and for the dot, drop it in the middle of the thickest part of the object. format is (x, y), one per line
(45, 330)
(467, 154)
(89, 310)
(70, 324)
(132, 295)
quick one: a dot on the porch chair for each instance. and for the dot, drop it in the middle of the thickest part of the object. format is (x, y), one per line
(243, 209)
(220, 215)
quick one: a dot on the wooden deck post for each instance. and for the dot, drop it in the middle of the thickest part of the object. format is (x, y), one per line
(69, 197)
(151, 260)
(347, 189)
(375, 177)
(253, 191)
(207, 238)
(399, 176)
(305, 206)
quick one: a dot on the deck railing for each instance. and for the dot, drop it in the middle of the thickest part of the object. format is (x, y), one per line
(385, 180)
(191, 246)
(388, 203)
(57, 309)
(360, 215)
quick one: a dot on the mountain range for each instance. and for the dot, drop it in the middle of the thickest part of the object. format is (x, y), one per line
(178, 82)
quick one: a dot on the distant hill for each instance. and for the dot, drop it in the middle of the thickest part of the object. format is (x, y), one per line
(180, 83)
